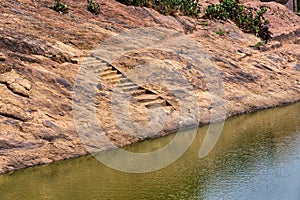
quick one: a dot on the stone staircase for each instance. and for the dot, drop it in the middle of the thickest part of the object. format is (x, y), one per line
(113, 77)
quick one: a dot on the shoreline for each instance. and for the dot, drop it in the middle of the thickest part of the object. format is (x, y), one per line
(170, 133)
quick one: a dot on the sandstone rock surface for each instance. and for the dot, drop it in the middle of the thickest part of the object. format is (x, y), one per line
(41, 52)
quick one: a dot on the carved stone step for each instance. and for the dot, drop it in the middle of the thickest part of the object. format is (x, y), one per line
(126, 84)
(139, 92)
(112, 77)
(108, 68)
(94, 63)
(114, 82)
(157, 102)
(124, 80)
(131, 88)
(108, 72)
(146, 97)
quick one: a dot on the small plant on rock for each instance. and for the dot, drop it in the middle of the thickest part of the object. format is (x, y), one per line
(93, 7)
(258, 45)
(60, 7)
(220, 32)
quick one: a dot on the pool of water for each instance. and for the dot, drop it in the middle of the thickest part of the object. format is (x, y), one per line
(256, 157)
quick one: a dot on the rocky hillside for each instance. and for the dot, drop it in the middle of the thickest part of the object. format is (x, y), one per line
(42, 51)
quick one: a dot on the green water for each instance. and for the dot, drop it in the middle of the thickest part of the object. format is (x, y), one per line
(256, 157)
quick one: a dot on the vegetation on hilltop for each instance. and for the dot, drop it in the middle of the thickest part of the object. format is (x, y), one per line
(168, 7)
(248, 19)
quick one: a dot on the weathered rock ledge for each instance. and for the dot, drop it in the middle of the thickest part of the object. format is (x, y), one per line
(42, 51)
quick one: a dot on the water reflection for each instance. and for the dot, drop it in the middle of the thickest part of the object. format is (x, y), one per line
(256, 157)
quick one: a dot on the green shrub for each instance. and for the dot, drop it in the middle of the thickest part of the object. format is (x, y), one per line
(220, 32)
(93, 7)
(60, 7)
(168, 7)
(134, 2)
(258, 45)
(249, 20)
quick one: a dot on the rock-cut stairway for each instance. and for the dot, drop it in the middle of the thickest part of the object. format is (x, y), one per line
(113, 77)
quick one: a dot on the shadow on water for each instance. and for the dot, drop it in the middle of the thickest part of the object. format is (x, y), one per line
(256, 157)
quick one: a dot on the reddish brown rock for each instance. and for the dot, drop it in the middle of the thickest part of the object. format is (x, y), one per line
(42, 51)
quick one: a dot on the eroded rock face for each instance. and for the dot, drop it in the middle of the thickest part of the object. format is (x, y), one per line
(41, 52)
